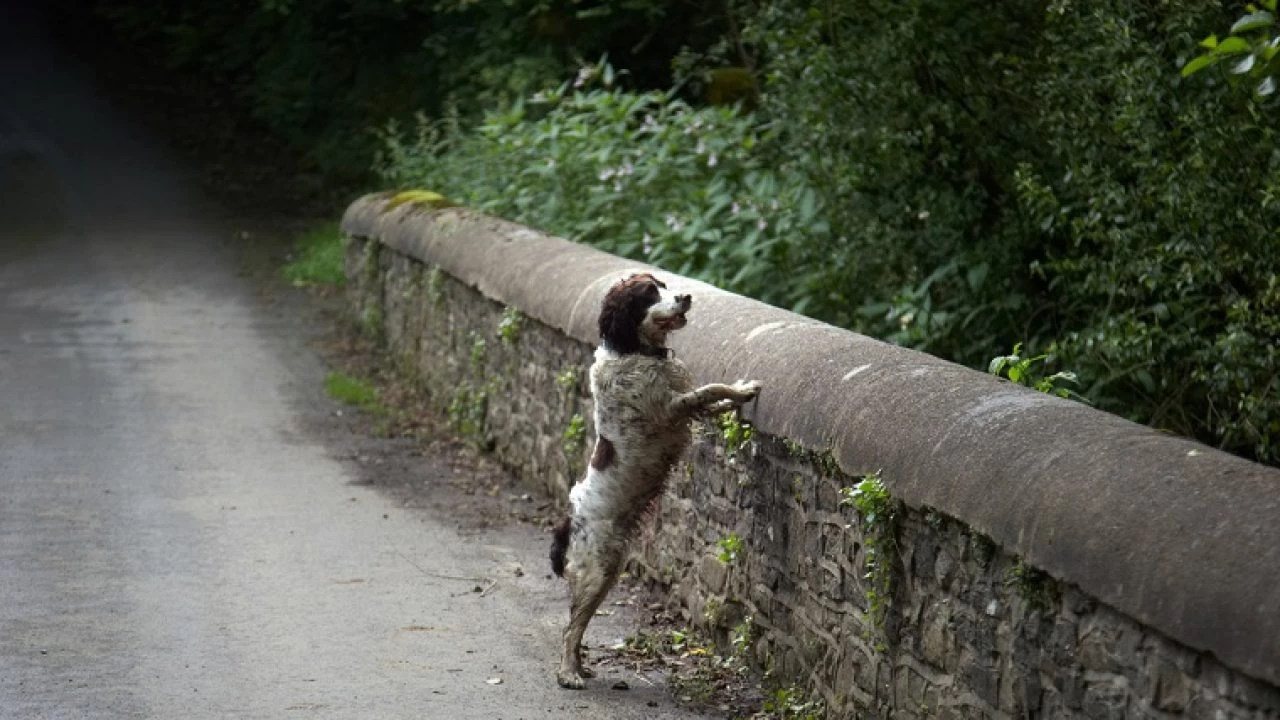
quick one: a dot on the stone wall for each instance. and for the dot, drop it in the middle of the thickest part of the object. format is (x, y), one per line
(758, 539)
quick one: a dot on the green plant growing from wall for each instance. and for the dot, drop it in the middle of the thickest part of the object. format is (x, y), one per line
(1022, 370)
(435, 287)
(877, 514)
(742, 636)
(371, 322)
(1036, 588)
(983, 547)
(574, 437)
(479, 350)
(468, 410)
(736, 433)
(567, 380)
(731, 547)
(510, 326)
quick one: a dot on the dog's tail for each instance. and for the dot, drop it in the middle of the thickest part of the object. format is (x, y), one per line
(560, 544)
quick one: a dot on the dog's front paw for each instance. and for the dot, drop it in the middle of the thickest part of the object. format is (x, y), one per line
(748, 389)
(571, 680)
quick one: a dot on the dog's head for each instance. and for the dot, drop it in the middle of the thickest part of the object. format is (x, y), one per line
(638, 314)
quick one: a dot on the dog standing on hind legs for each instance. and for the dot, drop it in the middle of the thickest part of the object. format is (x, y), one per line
(644, 402)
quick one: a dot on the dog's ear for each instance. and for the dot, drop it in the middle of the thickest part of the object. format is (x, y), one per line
(620, 323)
(624, 309)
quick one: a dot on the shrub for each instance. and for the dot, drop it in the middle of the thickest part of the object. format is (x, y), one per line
(641, 174)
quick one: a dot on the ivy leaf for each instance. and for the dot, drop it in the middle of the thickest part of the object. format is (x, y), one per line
(1195, 66)
(1210, 42)
(1266, 87)
(1253, 21)
(1232, 46)
(1244, 65)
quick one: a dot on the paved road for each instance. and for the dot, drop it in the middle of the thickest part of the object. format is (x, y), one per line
(173, 542)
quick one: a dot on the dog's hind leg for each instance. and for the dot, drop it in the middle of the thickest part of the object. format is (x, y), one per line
(589, 585)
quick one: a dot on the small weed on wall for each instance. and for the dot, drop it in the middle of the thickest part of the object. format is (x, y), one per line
(877, 513)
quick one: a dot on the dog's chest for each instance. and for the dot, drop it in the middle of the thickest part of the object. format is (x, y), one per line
(632, 394)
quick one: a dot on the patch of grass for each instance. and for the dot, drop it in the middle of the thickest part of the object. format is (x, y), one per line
(354, 391)
(319, 258)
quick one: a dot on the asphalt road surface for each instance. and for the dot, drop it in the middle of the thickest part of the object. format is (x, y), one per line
(174, 542)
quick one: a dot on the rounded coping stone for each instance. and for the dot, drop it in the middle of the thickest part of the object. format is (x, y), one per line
(1179, 536)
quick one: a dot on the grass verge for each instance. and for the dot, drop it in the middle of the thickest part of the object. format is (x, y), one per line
(354, 391)
(319, 258)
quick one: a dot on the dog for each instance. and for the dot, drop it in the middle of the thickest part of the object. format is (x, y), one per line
(644, 403)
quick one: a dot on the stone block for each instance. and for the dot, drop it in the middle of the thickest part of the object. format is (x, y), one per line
(1105, 700)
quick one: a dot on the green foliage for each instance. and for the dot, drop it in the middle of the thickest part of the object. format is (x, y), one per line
(731, 547)
(353, 391)
(1251, 49)
(318, 73)
(736, 433)
(510, 326)
(1036, 588)
(435, 287)
(567, 380)
(877, 515)
(983, 548)
(371, 321)
(742, 637)
(790, 703)
(1021, 370)
(949, 175)
(479, 352)
(574, 437)
(468, 412)
(641, 174)
(319, 258)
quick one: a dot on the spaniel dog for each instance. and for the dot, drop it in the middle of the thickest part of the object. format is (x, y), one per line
(644, 402)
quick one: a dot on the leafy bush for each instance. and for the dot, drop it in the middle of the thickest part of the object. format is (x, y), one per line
(950, 175)
(642, 174)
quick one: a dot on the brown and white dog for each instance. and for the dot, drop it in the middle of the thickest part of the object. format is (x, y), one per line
(644, 402)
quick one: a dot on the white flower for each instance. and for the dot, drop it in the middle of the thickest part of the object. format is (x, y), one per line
(646, 244)
(735, 208)
(773, 204)
(924, 215)
(605, 174)
(761, 224)
(711, 160)
(551, 162)
(702, 147)
(674, 223)
(627, 169)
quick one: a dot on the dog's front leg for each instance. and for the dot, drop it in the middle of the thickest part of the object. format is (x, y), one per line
(713, 395)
